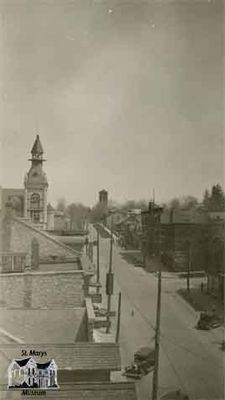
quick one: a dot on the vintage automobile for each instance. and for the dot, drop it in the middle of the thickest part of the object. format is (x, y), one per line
(102, 312)
(208, 320)
(144, 361)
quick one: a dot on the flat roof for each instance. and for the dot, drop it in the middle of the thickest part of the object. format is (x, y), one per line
(41, 325)
(77, 356)
(90, 391)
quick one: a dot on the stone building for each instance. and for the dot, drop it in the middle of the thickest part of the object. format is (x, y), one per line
(36, 186)
(30, 202)
(187, 238)
(103, 198)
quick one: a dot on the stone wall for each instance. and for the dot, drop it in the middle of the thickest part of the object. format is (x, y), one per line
(42, 290)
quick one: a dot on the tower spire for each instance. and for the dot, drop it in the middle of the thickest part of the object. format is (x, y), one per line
(37, 150)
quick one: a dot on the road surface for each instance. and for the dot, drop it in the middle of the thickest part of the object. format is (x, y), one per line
(189, 359)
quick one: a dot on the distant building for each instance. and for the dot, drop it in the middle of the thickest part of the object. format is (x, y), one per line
(36, 186)
(103, 198)
(114, 216)
(187, 237)
(129, 229)
(30, 202)
(50, 217)
(57, 220)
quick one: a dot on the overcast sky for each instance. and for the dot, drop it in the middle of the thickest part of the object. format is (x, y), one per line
(125, 95)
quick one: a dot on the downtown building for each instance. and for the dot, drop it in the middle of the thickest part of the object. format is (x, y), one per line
(185, 239)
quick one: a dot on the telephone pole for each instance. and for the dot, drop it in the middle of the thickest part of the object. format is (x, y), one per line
(86, 245)
(109, 282)
(118, 318)
(189, 266)
(157, 339)
(98, 272)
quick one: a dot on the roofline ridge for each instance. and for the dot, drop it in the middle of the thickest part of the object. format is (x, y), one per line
(64, 345)
(43, 233)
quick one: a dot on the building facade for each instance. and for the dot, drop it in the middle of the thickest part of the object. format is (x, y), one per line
(36, 186)
(103, 198)
(29, 202)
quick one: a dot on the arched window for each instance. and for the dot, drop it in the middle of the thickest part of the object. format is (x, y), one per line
(35, 206)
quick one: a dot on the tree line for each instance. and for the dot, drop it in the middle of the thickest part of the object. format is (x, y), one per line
(213, 200)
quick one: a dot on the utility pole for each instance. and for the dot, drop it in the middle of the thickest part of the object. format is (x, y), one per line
(86, 245)
(157, 339)
(118, 318)
(90, 251)
(189, 266)
(153, 225)
(109, 282)
(159, 241)
(98, 272)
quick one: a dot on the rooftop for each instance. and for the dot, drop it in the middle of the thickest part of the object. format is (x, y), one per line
(77, 356)
(90, 391)
(41, 325)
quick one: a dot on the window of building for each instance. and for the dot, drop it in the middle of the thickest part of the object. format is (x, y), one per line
(35, 206)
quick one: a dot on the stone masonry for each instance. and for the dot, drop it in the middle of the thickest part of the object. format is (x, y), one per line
(42, 290)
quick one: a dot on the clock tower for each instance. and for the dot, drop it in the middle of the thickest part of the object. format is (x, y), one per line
(36, 186)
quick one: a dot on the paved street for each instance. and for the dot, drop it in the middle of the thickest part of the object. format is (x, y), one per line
(189, 359)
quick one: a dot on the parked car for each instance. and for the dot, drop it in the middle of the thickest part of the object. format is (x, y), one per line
(208, 321)
(144, 362)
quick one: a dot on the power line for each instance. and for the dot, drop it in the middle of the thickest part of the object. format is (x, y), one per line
(199, 356)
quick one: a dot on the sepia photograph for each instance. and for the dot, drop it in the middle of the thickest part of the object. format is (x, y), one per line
(112, 199)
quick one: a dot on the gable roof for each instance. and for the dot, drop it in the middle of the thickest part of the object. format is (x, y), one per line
(29, 225)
